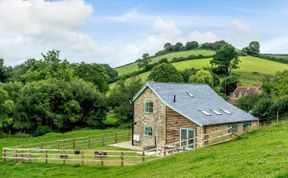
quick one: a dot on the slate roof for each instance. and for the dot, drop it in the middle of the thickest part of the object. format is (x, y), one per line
(204, 98)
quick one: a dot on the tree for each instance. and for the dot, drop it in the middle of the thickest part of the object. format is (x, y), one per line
(112, 73)
(202, 76)
(191, 45)
(144, 62)
(165, 73)
(94, 73)
(177, 46)
(263, 109)
(225, 60)
(229, 84)
(280, 106)
(6, 108)
(187, 73)
(254, 48)
(214, 46)
(2, 75)
(121, 96)
(168, 47)
(280, 84)
(247, 102)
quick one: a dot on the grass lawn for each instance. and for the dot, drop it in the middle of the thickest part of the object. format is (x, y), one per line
(251, 70)
(262, 153)
(133, 67)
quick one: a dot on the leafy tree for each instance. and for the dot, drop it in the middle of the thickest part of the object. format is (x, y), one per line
(254, 48)
(202, 76)
(229, 84)
(6, 108)
(168, 47)
(112, 73)
(165, 73)
(145, 56)
(177, 46)
(280, 84)
(214, 46)
(247, 102)
(191, 45)
(94, 73)
(263, 109)
(225, 60)
(121, 96)
(187, 73)
(281, 106)
(144, 62)
(2, 75)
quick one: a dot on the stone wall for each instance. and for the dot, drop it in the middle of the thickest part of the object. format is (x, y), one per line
(155, 120)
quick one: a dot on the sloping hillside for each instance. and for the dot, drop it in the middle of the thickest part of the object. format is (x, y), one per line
(251, 69)
(126, 69)
(262, 153)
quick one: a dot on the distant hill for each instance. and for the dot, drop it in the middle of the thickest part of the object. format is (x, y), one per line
(251, 69)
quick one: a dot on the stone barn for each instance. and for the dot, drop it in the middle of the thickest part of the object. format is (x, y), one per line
(168, 113)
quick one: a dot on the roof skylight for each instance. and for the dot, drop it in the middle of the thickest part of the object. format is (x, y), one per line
(226, 111)
(205, 112)
(216, 112)
(190, 94)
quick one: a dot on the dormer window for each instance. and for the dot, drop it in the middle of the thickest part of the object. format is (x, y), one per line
(148, 107)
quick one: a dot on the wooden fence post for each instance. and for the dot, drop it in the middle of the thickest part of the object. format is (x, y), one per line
(164, 150)
(30, 155)
(89, 142)
(16, 155)
(46, 156)
(64, 158)
(116, 139)
(102, 161)
(82, 158)
(103, 139)
(143, 156)
(122, 158)
(74, 144)
(4, 154)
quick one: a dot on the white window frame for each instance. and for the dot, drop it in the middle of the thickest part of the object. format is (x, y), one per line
(150, 132)
(148, 108)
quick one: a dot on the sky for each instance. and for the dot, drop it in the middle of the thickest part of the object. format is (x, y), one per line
(117, 32)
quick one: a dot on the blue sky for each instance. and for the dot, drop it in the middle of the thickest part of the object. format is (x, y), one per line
(117, 32)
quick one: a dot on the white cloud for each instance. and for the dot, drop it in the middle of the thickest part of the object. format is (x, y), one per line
(28, 28)
(203, 37)
(242, 27)
(277, 45)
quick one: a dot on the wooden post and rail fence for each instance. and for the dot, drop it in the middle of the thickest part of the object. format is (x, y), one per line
(80, 150)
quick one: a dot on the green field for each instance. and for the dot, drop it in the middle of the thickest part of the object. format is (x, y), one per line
(16, 141)
(251, 69)
(133, 67)
(261, 153)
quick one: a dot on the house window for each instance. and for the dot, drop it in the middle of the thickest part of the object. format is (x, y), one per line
(233, 128)
(246, 126)
(148, 131)
(148, 107)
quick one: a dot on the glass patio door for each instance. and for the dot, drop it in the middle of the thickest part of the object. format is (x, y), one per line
(187, 138)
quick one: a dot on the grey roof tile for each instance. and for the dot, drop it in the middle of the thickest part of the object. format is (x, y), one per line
(205, 98)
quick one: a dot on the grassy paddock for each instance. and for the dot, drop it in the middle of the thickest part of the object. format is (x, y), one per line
(251, 69)
(261, 153)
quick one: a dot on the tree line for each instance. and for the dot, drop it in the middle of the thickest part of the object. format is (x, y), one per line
(51, 94)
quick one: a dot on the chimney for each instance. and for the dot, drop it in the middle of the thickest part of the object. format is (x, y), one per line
(174, 99)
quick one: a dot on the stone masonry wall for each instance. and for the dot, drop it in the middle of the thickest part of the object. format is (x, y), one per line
(156, 120)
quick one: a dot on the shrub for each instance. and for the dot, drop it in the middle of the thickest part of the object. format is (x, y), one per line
(41, 130)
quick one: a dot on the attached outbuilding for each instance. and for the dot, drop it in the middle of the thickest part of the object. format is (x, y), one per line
(189, 114)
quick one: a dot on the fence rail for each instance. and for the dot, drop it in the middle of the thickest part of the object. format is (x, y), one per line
(87, 142)
(82, 157)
